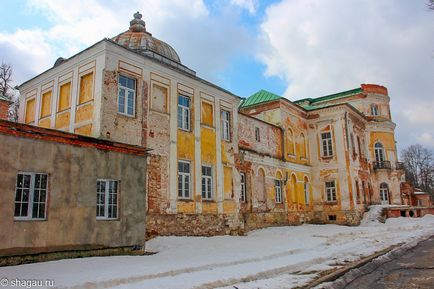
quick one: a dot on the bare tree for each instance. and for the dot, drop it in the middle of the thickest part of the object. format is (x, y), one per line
(419, 167)
(430, 4)
(8, 91)
(6, 80)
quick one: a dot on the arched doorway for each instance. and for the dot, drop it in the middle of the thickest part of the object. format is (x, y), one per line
(384, 194)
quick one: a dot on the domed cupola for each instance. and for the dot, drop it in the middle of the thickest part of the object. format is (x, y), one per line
(139, 40)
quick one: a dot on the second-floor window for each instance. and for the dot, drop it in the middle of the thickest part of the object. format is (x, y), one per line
(207, 183)
(226, 125)
(379, 152)
(374, 110)
(257, 134)
(330, 191)
(126, 95)
(327, 144)
(184, 112)
(183, 180)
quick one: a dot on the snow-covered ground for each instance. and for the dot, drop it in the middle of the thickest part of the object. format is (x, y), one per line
(280, 257)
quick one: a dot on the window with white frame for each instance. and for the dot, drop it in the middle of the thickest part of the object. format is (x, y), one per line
(374, 110)
(183, 179)
(379, 152)
(31, 196)
(278, 190)
(126, 95)
(257, 134)
(184, 112)
(243, 196)
(327, 144)
(207, 182)
(331, 191)
(306, 192)
(226, 125)
(106, 199)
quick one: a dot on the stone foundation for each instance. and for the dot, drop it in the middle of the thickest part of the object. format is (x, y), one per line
(345, 217)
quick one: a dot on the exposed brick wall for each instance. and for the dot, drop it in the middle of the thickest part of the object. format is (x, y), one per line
(4, 109)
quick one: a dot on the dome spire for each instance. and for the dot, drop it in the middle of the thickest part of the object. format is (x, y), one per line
(137, 24)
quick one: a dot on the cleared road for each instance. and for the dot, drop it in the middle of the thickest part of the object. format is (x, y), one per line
(414, 269)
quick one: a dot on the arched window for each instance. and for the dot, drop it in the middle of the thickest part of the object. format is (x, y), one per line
(306, 188)
(379, 152)
(294, 189)
(278, 187)
(374, 110)
(291, 143)
(384, 193)
(261, 184)
(303, 148)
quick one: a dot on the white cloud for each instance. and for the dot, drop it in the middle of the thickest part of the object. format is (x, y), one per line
(427, 139)
(249, 5)
(321, 47)
(205, 43)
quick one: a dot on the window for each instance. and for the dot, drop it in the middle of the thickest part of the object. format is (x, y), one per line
(291, 144)
(226, 125)
(306, 192)
(106, 199)
(207, 182)
(46, 104)
(359, 145)
(243, 196)
(207, 114)
(257, 134)
(184, 112)
(327, 145)
(303, 148)
(64, 96)
(86, 88)
(31, 196)
(374, 110)
(357, 192)
(30, 111)
(278, 190)
(353, 146)
(126, 95)
(384, 193)
(183, 180)
(331, 191)
(379, 152)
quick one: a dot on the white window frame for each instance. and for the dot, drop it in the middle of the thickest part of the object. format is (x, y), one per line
(31, 201)
(184, 114)
(384, 193)
(208, 194)
(330, 191)
(374, 110)
(107, 205)
(185, 194)
(257, 134)
(278, 190)
(306, 193)
(127, 90)
(327, 143)
(243, 181)
(380, 156)
(226, 124)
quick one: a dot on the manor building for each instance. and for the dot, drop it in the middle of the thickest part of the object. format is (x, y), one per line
(218, 163)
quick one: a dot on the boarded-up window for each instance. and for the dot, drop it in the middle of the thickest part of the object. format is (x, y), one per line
(227, 172)
(46, 104)
(207, 114)
(159, 98)
(30, 110)
(291, 143)
(64, 96)
(86, 88)
(303, 148)
(260, 185)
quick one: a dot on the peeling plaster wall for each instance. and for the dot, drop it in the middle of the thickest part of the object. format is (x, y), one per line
(71, 197)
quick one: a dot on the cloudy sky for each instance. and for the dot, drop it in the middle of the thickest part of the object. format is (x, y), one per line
(295, 48)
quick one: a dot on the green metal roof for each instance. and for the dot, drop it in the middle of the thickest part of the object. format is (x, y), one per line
(342, 94)
(259, 97)
(2, 97)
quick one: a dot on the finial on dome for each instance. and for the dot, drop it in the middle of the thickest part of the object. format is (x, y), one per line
(137, 24)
